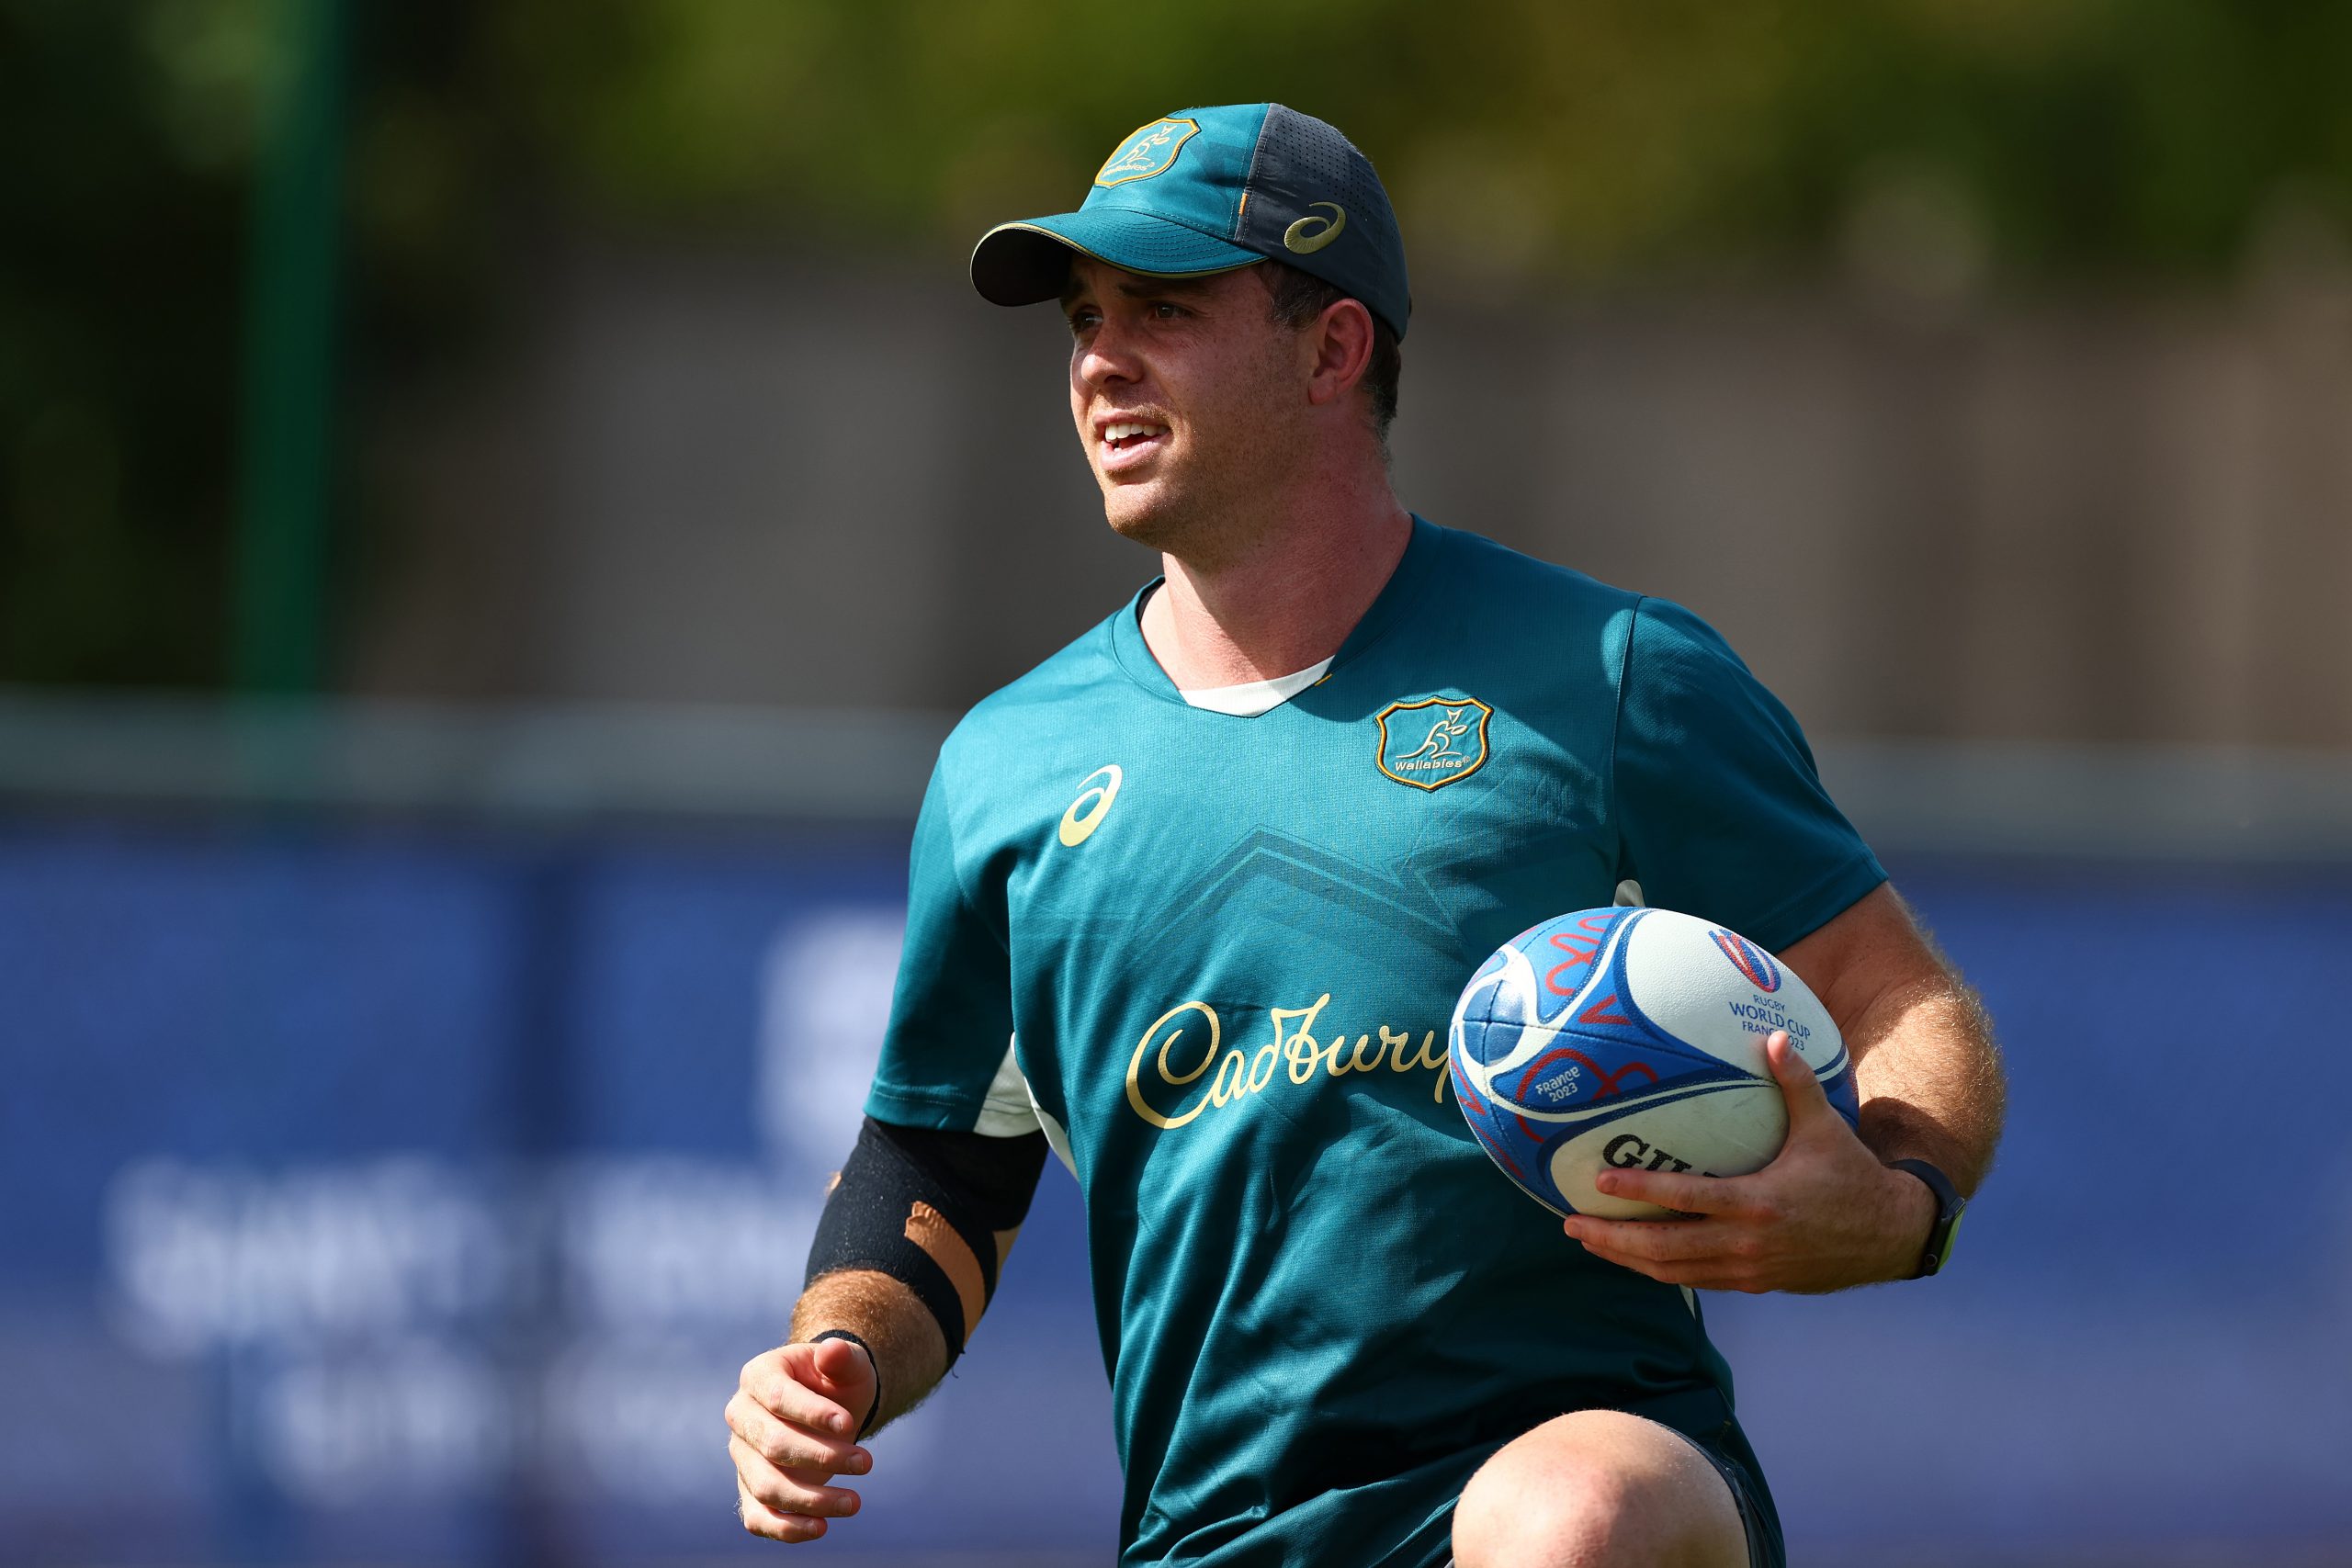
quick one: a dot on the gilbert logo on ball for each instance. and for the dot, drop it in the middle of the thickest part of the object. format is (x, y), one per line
(1632, 1038)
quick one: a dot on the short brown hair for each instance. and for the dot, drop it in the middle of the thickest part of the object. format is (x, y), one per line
(1300, 299)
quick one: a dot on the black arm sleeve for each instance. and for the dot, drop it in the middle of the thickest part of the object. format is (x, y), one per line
(923, 1206)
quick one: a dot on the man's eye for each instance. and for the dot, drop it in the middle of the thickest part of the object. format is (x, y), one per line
(1082, 321)
(1166, 312)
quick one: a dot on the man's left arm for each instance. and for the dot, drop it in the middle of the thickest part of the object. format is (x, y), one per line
(1828, 1212)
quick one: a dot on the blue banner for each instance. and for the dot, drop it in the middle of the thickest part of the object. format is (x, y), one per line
(414, 1196)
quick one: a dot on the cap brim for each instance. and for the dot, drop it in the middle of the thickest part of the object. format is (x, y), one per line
(1022, 263)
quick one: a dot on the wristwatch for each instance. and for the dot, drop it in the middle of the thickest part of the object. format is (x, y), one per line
(1949, 1207)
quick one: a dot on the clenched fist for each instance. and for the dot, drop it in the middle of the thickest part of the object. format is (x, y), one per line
(795, 1418)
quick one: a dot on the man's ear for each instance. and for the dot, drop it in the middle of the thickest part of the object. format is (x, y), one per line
(1342, 343)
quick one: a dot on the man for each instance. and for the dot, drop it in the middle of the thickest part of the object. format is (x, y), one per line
(1335, 1335)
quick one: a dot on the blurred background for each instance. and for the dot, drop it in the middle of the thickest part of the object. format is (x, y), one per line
(500, 501)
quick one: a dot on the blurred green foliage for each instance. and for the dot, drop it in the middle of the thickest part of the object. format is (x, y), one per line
(119, 272)
(1596, 140)
(1527, 143)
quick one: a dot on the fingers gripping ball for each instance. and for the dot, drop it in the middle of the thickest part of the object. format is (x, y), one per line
(1632, 1038)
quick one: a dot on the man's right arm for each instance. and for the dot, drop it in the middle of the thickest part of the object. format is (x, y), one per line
(914, 1229)
(905, 1259)
(800, 1408)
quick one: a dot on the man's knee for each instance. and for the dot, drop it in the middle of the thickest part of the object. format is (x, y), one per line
(1521, 1513)
(1556, 1499)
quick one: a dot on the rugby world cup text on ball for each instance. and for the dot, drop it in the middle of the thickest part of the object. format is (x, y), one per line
(1294, 1053)
(1765, 1014)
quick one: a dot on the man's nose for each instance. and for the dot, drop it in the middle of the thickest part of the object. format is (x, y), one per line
(1108, 357)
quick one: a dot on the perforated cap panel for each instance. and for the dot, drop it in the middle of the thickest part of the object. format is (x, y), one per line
(1316, 202)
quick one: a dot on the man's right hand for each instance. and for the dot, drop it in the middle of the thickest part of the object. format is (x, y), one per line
(795, 1418)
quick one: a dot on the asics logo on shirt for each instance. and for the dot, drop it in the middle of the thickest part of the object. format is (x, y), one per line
(1093, 803)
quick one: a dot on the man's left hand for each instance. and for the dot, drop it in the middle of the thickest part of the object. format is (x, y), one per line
(1825, 1214)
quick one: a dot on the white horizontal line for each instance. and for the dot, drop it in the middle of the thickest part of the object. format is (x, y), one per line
(848, 765)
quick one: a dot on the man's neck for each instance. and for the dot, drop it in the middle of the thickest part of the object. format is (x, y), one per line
(1285, 603)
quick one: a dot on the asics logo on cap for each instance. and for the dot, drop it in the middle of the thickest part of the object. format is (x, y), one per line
(1305, 237)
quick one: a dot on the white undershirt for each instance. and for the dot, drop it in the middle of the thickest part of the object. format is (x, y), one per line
(1252, 698)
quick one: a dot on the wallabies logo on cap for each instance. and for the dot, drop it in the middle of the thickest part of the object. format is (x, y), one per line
(1148, 151)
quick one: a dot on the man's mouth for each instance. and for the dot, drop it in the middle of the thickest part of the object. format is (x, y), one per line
(1129, 439)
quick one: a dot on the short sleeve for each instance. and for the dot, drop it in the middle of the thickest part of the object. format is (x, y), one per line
(945, 1059)
(1720, 810)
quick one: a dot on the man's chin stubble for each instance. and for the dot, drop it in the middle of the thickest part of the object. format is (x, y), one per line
(1195, 523)
(1160, 528)
(1197, 541)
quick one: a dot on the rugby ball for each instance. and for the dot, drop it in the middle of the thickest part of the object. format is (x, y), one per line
(1634, 1039)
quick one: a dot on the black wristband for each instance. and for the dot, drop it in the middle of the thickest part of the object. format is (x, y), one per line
(872, 1361)
(1949, 1209)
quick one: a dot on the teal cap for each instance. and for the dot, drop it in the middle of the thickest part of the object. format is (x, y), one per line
(1207, 190)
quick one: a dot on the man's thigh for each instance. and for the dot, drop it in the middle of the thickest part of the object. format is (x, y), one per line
(1596, 1489)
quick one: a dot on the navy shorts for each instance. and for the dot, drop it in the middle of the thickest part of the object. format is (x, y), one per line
(1735, 1462)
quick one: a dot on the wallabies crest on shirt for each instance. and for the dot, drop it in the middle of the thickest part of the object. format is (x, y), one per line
(1432, 742)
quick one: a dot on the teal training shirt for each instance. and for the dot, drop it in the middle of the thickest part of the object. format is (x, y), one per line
(1226, 949)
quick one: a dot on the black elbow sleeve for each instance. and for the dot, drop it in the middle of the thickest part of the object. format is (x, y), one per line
(923, 1206)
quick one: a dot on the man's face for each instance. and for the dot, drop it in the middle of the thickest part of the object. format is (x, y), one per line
(1190, 399)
